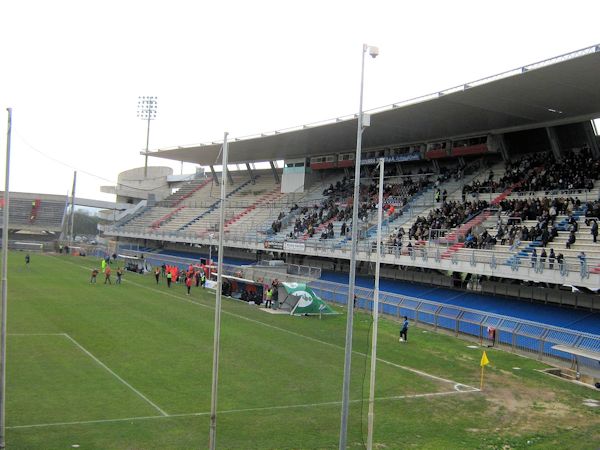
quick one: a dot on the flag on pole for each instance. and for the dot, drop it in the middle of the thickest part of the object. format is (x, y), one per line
(484, 360)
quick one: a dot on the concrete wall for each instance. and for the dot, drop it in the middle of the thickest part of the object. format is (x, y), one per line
(133, 187)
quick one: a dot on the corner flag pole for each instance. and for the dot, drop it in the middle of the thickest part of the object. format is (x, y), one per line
(484, 362)
(4, 286)
(212, 443)
(481, 380)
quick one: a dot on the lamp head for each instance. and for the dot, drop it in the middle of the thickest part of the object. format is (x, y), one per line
(373, 51)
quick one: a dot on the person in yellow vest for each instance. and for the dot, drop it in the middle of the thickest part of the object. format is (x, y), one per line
(269, 301)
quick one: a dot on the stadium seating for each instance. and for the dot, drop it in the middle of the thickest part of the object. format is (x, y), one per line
(36, 214)
(187, 191)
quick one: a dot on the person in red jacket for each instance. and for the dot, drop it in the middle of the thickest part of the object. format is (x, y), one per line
(188, 284)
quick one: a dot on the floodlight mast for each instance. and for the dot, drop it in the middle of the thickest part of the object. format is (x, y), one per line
(373, 51)
(147, 109)
(212, 442)
(4, 286)
(72, 215)
(371, 414)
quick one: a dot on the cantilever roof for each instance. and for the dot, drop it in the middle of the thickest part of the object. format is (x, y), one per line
(558, 91)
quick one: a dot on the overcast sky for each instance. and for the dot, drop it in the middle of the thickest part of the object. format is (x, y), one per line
(72, 70)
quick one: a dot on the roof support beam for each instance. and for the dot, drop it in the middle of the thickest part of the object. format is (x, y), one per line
(252, 178)
(554, 143)
(502, 147)
(591, 139)
(214, 174)
(275, 174)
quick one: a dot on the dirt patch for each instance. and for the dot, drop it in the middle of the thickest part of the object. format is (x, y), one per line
(526, 408)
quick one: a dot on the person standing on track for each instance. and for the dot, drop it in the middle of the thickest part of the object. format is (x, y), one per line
(157, 273)
(169, 278)
(404, 330)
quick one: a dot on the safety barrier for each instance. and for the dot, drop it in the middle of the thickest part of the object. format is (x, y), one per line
(516, 334)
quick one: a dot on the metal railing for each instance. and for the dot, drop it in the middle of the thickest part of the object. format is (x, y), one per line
(524, 336)
(304, 271)
(289, 272)
(399, 254)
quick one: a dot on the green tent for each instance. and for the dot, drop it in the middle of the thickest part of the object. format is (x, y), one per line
(300, 299)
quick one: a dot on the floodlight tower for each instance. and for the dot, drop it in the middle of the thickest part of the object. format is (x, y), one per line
(5, 220)
(147, 109)
(363, 121)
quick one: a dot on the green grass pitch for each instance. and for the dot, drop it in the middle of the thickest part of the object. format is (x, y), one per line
(129, 367)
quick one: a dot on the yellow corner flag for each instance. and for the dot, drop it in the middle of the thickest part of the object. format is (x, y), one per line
(484, 360)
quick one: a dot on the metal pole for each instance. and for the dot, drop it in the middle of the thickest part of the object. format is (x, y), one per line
(72, 208)
(375, 310)
(147, 144)
(352, 275)
(4, 284)
(212, 443)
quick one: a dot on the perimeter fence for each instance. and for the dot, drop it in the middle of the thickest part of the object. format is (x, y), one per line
(534, 339)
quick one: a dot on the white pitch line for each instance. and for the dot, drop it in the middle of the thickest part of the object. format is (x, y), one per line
(115, 375)
(409, 369)
(35, 334)
(234, 411)
(83, 422)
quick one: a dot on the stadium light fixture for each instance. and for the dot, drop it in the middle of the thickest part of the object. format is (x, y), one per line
(373, 52)
(147, 109)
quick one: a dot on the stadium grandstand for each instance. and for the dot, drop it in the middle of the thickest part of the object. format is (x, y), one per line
(491, 188)
(41, 221)
(35, 219)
